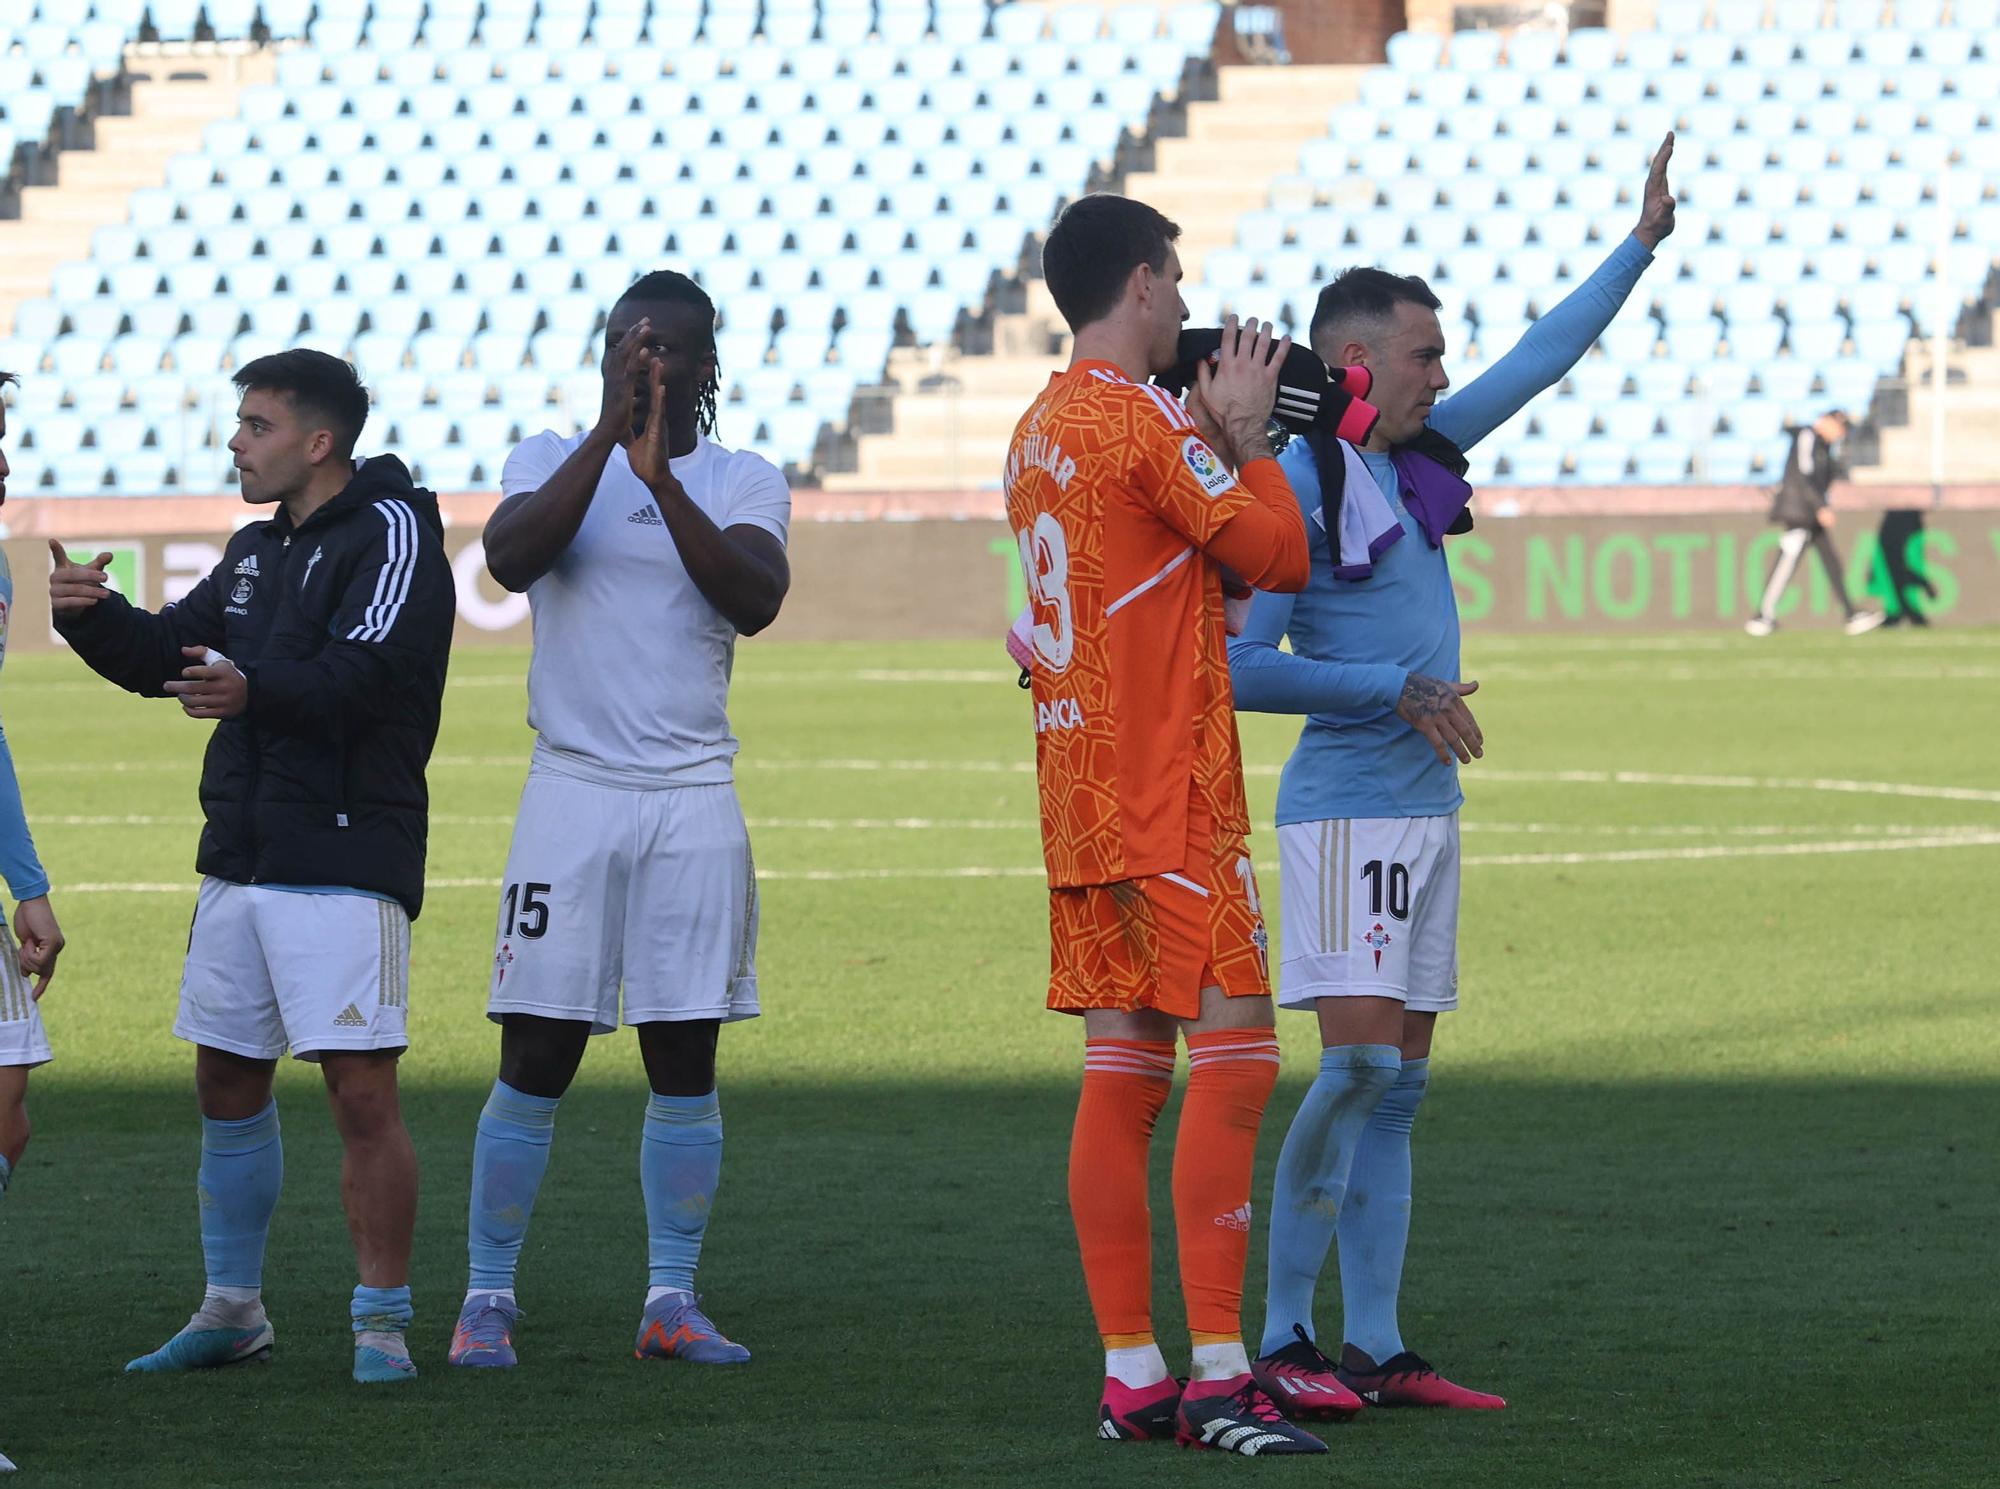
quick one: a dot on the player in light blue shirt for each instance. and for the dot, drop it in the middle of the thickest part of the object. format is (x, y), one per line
(1368, 802)
(23, 1043)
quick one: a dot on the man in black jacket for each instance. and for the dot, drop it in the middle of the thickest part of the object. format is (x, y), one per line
(1799, 505)
(319, 645)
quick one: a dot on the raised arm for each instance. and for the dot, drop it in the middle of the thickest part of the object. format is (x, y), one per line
(1197, 474)
(136, 649)
(1556, 342)
(529, 530)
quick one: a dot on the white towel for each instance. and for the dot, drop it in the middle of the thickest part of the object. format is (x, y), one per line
(1368, 524)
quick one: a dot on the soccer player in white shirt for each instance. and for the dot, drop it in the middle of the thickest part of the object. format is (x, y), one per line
(645, 549)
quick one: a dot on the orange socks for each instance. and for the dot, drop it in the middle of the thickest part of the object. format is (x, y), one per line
(1125, 1083)
(1231, 1075)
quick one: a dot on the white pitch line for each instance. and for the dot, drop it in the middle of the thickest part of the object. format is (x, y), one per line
(1654, 672)
(1029, 824)
(981, 675)
(1751, 850)
(1025, 871)
(899, 767)
(1738, 783)
(1026, 767)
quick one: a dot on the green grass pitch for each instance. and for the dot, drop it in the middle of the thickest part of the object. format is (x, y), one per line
(1707, 1178)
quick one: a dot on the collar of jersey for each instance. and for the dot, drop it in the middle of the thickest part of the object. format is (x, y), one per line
(1099, 367)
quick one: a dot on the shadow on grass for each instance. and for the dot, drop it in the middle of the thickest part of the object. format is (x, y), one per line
(1675, 1283)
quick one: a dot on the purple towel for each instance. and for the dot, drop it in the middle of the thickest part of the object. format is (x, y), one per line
(1431, 494)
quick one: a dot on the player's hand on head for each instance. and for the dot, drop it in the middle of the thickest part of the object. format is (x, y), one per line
(1436, 709)
(210, 689)
(1656, 210)
(41, 941)
(74, 587)
(1242, 386)
(625, 378)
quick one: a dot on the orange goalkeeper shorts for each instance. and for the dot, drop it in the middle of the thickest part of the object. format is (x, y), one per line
(1157, 942)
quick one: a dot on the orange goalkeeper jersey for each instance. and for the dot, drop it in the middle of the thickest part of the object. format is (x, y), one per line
(1124, 517)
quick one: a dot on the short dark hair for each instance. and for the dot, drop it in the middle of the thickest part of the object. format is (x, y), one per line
(1369, 294)
(318, 384)
(666, 287)
(8, 377)
(1096, 243)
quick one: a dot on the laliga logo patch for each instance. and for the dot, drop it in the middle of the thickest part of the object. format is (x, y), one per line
(1206, 465)
(1377, 938)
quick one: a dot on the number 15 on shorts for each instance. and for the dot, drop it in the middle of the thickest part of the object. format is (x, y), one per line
(524, 916)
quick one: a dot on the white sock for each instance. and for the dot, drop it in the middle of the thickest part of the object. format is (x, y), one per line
(1138, 1366)
(654, 1294)
(390, 1342)
(1220, 1361)
(231, 1303)
(497, 1294)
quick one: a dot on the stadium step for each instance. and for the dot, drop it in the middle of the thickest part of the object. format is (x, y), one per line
(184, 90)
(952, 435)
(1234, 146)
(1971, 405)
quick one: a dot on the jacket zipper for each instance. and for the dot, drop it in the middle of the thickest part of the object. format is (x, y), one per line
(256, 741)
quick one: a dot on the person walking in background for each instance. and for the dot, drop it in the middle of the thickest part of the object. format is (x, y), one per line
(1800, 506)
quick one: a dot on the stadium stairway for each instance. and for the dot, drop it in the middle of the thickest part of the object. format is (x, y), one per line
(1971, 417)
(177, 91)
(949, 414)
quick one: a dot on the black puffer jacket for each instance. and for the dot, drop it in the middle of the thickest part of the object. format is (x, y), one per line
(342, 627)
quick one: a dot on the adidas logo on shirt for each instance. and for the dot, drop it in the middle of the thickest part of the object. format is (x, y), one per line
(647, 516)
(248, 566)
(350, 1018)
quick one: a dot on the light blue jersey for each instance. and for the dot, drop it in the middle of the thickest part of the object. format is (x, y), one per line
(18, 864)
(1355, 643)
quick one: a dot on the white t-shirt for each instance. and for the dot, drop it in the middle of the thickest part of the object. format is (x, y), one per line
(630, 677)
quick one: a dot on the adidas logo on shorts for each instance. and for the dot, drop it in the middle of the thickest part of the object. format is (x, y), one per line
(647, 516)
(350, 1018)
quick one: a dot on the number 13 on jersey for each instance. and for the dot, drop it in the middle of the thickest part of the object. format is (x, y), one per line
(1045, 562)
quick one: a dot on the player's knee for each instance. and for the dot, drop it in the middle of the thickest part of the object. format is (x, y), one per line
(361, 1089)
(15, 1130)
(680, 1056)
(538, 1056)
(231, 1087)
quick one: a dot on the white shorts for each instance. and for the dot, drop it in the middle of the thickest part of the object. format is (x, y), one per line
(23, 1040)
(1370, 911)
(271, 969)
(651, 891)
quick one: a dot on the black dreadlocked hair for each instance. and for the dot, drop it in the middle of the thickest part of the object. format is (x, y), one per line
(665, 287)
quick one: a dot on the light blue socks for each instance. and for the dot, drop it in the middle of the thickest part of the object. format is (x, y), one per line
(380, 1310)
(1375, 1222)
(509, 1157)
(242, 1169)
(680, 1164)
(1313, 1179)
(6, 1176)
